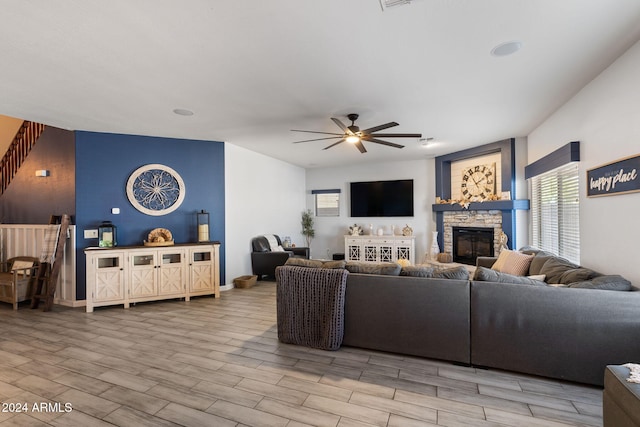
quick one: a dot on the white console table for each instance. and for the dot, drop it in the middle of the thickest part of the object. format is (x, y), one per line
(125, 275)
(379, 248)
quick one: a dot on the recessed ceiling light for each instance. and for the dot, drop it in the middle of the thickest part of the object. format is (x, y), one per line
(506, 49)
(183, 112)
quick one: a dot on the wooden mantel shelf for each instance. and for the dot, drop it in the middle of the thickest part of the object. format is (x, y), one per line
(495, 205)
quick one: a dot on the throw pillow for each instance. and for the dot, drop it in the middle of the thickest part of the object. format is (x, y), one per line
(384, 268)
(417, 271)
(456, 273)
(577, 275)
(489, 275)
(555, 267)
(536, 264)
(512, 262)
(334, 264)
(403, 262)
(611, 282)
(302, 262)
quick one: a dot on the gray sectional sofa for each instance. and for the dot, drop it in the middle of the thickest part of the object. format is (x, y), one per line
(565, 333)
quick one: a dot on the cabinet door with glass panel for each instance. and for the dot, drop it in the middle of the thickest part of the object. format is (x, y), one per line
(171, 272)
(202, 271)
(106, 282)
(143, 277)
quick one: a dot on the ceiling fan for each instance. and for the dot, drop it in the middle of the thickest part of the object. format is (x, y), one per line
(354, 135)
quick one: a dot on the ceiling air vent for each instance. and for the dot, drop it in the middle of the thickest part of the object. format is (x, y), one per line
(385, 4)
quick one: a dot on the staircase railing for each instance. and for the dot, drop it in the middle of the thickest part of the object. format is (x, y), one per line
(17, 152)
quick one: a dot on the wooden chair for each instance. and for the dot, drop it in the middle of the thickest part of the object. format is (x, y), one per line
(17, 279)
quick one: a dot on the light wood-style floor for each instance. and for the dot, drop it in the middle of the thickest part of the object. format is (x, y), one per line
(218, 362)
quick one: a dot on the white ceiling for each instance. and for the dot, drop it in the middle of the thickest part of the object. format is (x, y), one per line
(253, 70)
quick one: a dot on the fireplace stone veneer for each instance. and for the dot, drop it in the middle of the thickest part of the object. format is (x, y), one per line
(471, 219)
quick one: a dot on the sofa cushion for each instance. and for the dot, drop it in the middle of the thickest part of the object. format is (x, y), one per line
(417, 271)
(555, 267)
(383, 268)
(334, 264)
(314, 263)
(302, 262)
(611, 282)
(536, 264)
(456, 273)
(513, 262)
(580, 274)
(489, 275)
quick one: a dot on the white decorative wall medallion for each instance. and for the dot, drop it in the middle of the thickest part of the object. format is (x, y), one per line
(155, 189)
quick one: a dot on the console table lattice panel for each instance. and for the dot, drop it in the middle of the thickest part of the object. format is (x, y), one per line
(379, 248)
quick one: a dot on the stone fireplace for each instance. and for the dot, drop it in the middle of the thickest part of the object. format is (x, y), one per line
(472, 242)
(476, 221)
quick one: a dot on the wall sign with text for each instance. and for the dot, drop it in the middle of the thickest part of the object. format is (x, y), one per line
(621, 176)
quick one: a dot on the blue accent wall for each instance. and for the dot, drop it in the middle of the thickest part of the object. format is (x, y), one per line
(104, 163)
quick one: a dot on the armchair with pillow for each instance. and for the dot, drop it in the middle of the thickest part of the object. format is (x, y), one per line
(267, 253)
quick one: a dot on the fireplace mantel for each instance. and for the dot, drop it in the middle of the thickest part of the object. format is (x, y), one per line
(492, 205)
(507, 208)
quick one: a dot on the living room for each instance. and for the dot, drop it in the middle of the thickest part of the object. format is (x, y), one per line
(249, 193)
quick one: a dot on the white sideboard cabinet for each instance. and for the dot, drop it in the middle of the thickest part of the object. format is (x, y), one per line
(125, 275)
(379, 248)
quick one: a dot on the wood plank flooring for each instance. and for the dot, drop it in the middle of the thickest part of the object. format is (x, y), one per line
(212, 362)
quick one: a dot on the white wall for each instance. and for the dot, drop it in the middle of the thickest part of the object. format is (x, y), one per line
(262, 195)
(605, 117)
(330, 231)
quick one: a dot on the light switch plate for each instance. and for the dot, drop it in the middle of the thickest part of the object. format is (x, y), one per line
(90, 234)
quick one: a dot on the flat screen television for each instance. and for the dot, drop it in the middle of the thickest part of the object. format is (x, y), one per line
(382, 198)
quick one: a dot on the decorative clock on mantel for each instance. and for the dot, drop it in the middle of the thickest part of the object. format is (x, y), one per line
(155, 189)
(478, 182)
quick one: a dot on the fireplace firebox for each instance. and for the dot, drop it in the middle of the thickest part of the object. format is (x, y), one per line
(470, 243)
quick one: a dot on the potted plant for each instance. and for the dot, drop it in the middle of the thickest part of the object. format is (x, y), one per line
(307, 226)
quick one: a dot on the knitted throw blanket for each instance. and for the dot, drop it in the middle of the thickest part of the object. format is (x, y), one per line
(634, 372)
(310, 306)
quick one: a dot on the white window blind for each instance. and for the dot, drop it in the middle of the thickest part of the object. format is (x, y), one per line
(327, 204)
(555, 212)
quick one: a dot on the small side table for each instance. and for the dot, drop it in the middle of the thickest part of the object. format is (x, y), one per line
(620, 399)
(299, 251)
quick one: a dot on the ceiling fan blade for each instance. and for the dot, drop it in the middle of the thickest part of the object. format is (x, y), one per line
(360, 147)
(341, 125)
(381, 127)
(398, 135)
(335, 143)
(379, 141)
(313, 131)
(317, 139)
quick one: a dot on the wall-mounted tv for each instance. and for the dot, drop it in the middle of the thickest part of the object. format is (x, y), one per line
(382, 198)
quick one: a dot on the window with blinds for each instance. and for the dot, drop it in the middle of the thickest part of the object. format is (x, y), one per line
(327, 202)
(555, 212)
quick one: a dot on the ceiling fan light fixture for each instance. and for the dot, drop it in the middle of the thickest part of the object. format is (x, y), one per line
(353, 139)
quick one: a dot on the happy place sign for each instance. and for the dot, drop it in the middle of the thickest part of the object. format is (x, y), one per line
(621, 176)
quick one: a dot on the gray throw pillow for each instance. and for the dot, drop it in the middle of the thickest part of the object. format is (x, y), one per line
(611, 282)
(489, 275)
(456, 273)
(536, 264)
(383, 268)
(577, 275)
(417, 271)
(555, 267)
